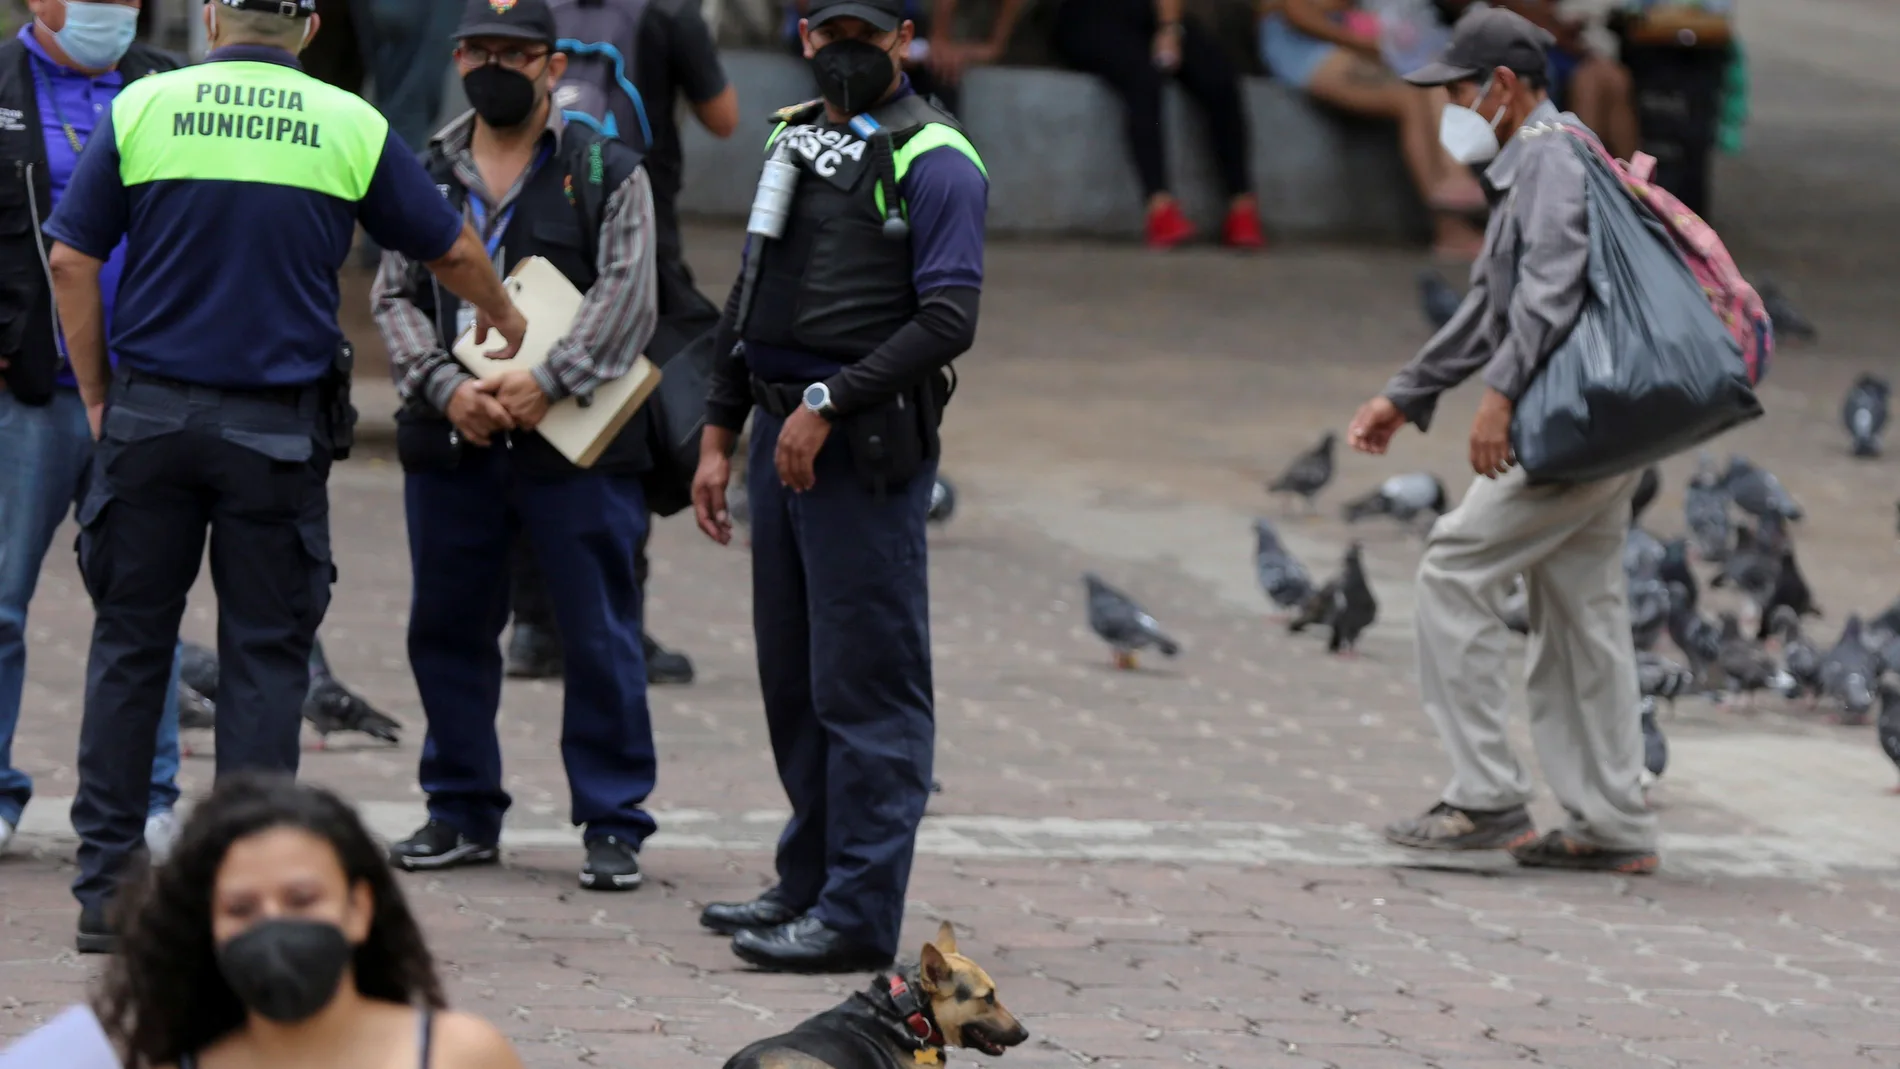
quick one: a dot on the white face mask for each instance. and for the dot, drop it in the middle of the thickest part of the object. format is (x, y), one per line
(1468, 136)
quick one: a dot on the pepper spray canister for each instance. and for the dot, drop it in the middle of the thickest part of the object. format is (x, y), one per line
(772, 204)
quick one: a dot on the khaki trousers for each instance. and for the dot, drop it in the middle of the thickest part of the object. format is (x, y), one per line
(1567, 542)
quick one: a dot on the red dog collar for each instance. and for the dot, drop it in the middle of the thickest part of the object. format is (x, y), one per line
(908, 1007)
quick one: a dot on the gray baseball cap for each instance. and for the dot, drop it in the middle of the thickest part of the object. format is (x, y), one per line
(1484, 39)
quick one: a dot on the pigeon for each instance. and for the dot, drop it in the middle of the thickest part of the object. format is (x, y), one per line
(1675, 569)
(1772, 534)
(1649, 611)
(1756, 491)
(1655, 747)
(1889, 654)
(1791, 591)
(1515, 610)
(198, 669)
(1357, 608)
(1284, 579)
(1746, 667)
(1699, 640)
(1865, 413)
(1787, 322)
(1705, 507)
(1888, 622)
(1318, 609)
(1660, 677)
(195, 711)
(1402, 497)
(1643, 554)
(1646, 490)
(1850, 673)
(330, 707)
(1122, 624)
(1750, 570)
(1888, 724)
(943, 501)
(1798, 655)
(1309, 473)
(1438, 299)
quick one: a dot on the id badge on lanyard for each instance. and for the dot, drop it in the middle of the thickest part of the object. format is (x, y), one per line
(478, 215)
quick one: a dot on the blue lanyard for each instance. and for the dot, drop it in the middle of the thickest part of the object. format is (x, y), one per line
(478, 212)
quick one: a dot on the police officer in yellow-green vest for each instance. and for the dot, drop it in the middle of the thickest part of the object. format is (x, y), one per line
(236, 186)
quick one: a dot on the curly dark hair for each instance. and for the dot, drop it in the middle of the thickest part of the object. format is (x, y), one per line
(163, 995)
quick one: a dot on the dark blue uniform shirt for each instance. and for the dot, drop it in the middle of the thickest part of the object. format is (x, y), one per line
(234, 284)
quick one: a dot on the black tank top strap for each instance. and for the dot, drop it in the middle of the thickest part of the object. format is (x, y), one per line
(425, 1036)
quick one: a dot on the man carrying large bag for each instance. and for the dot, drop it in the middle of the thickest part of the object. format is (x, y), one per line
(1533, 283)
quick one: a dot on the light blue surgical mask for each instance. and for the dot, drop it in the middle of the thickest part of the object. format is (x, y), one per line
(97, 35)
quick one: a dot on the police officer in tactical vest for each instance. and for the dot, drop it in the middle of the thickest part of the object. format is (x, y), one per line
(859, 287)
(236, 186)
(476, 474)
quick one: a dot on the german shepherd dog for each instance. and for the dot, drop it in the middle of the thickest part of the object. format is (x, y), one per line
(900, 1022)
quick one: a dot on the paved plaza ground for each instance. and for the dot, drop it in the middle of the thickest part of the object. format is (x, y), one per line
(1179, 866)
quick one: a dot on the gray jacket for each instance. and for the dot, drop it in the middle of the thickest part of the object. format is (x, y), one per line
(1528, 285)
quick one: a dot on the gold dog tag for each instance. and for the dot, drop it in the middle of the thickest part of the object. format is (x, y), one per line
(927, 1056)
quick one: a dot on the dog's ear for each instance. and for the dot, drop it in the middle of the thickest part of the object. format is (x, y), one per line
(933, 972)
(946, 938)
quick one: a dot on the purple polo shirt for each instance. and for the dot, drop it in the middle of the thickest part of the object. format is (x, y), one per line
(83, 103)
(945, 198)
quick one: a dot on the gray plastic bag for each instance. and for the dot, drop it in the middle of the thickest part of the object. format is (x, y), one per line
(1647, 372)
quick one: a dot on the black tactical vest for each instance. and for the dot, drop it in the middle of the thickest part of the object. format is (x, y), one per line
(566, 233)
(27, 338)
(835, 284)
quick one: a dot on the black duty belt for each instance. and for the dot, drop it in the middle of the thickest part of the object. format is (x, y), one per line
(778, 399)
(282, 395)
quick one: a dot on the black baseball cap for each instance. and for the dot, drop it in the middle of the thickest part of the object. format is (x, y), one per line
(522, 20)
(1483, 40)
(884, 15)
(290, 9)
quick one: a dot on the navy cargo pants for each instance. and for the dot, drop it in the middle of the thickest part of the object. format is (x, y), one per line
(174, 461)
(583, 526)
(841, 614)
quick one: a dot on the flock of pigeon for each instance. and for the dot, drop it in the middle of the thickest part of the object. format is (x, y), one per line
(329, 707)
(1751, 554)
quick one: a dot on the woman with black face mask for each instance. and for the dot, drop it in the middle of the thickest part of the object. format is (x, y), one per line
(276, 933)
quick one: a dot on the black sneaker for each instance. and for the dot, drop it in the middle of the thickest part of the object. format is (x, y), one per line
(438, 846)
(1446, 827)
(95, 934)
(665, 667)
(612, 865)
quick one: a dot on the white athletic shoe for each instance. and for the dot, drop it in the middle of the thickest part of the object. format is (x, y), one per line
(6, 835)
(161, 831)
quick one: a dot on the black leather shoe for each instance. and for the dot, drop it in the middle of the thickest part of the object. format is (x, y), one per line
(731, 918)
(665, 667)
(95, 935)
(805, 946)
(535, 653)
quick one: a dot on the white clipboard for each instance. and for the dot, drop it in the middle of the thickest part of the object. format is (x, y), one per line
(580, 432)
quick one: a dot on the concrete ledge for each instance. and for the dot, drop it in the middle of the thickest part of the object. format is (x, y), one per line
(1058, 163)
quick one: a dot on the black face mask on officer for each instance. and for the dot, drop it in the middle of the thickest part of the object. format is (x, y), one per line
(853, 73)
(503, 98)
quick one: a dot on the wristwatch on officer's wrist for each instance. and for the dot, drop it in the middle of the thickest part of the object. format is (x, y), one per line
(818, 401)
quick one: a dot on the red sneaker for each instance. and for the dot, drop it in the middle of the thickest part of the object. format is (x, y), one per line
(1168, 227)
(1242, 230)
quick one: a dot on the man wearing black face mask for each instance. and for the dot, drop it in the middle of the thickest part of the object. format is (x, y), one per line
(859, 288)
(476, 474)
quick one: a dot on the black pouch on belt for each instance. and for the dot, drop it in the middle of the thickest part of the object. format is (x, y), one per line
(887, 442)
(338, 412)
(426, 441)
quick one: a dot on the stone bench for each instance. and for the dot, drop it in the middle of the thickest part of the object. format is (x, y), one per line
(1058, 165)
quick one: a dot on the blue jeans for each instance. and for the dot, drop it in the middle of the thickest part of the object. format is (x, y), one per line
(46, 450)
